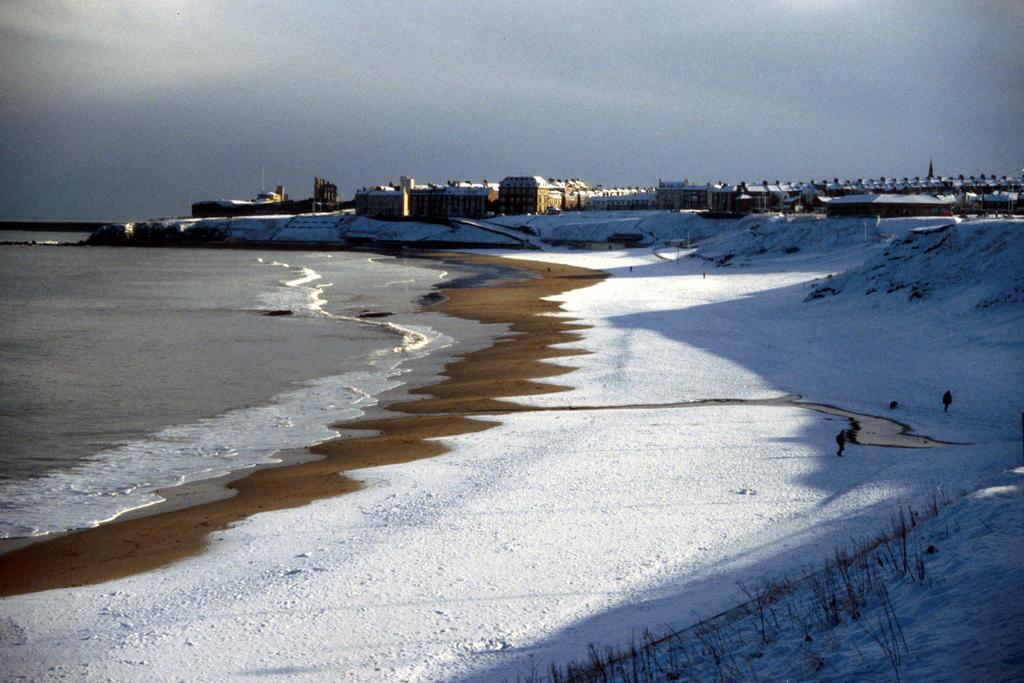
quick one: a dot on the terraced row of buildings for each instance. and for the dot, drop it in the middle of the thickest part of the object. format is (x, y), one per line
(519, 195)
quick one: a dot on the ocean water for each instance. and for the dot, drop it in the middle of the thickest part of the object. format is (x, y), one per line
(126, 370)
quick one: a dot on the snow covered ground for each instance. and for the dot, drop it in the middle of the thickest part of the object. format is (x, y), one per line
(501, 232)
(602, 226)
(947, 609)
(318, 229)
(557, 529)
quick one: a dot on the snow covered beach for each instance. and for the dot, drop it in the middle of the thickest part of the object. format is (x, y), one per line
(508, 366)
(558, 528)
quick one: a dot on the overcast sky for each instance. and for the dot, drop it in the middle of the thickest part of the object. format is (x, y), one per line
(131, 110)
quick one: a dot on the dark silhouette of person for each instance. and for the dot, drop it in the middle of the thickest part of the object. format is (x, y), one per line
(841, 440)
(947, 398)
(894, 405)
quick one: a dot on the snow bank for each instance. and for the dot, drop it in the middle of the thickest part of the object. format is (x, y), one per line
(899, 227)
(313, 228)
(309, 229)
(578, 227)
(977, 263)
(258, 229)
(323, 229)
(950, 614)
(759, 237)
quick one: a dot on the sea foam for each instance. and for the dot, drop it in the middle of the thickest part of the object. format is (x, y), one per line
(124, 478)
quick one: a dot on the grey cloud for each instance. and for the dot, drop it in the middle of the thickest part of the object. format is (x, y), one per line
(138, 109)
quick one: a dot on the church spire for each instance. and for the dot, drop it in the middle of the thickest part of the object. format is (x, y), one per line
(931, 169)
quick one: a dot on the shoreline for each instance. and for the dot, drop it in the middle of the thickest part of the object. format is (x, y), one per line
(410, 369)
(140, 457)
(396, 431)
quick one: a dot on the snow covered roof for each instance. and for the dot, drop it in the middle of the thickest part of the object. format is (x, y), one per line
(379, 190)
(464, 189)
(228, 203)
(525, 181)
(473, 190)
(673, 185)
(1000, 197)
(925, 199)
(614, 191)
(624, 196)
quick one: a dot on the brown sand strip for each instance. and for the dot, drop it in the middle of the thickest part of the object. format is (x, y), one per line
(475, 382)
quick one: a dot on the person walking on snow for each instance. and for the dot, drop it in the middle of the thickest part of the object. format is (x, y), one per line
(947, 398)
(841, 440)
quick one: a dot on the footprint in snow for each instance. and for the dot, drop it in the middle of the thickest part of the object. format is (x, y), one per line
(490, 645)
(11, 633)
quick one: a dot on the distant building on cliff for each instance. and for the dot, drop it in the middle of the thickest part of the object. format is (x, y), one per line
(684, 196)
(568, 195)
(622, 199)
(325, 195)
(518, 195)
(889, 205)
(538, 195)
(324, 199)
(754, 198)
(454, 199)
(384, 200)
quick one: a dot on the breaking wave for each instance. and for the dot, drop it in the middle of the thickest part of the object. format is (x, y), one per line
(311, 299)
(128, 476)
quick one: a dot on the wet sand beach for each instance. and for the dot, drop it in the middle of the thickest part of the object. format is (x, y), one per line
(402, 432)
